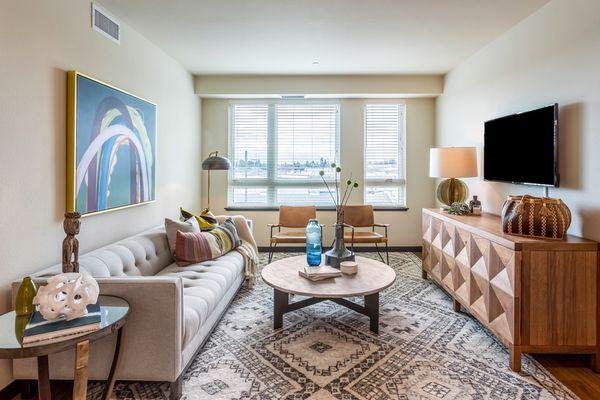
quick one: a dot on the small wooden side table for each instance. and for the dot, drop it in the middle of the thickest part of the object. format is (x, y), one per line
(114, 312)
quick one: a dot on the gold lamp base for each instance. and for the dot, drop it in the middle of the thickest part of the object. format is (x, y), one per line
(452, 190)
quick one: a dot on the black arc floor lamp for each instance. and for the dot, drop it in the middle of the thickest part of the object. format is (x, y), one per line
(214, 162)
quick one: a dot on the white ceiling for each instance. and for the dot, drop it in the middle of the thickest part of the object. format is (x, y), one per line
(343, 36)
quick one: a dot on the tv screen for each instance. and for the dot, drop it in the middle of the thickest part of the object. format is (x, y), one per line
(522, 148)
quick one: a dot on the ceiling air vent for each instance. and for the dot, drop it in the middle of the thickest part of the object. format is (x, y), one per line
(105, 24)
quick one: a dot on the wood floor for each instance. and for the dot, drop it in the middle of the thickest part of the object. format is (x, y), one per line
(574, 372)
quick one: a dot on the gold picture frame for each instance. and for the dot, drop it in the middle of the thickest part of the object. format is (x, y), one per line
(111, 147)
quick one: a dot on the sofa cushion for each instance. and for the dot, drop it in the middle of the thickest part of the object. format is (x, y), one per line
(204, 285)
(197, 247)
(172, 227)
(206, 220)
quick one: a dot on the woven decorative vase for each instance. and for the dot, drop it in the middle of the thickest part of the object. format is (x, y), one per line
(535, 217)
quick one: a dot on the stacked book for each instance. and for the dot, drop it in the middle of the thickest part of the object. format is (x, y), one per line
(39, 331)
(319, 273)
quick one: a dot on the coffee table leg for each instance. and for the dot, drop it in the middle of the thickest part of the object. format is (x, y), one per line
(281, 300)
(43, 378)
(372, 307)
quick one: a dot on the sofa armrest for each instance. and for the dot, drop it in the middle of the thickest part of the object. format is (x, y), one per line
(155, 321)
(152, 335)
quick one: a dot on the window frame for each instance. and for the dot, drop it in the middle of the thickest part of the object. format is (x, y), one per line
(400, 182)
(271, 182)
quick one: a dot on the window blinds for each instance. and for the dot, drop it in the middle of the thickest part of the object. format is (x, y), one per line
(278, 151)
(250, 135)
(384, 154)
(306, 140)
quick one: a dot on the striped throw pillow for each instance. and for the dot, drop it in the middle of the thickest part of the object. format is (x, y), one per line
(196, 247)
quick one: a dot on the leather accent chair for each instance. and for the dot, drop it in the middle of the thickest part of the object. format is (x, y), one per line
(364, 217)
(291, 217)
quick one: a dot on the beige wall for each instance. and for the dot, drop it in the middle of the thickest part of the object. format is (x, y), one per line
(39, 41)
(420, 127)
(551, 56)
(369, 86)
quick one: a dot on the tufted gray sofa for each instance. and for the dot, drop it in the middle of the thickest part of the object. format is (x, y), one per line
(173, 310)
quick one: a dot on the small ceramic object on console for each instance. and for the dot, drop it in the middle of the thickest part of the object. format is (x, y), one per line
(67, 294)
(349, 267)
(475, 206)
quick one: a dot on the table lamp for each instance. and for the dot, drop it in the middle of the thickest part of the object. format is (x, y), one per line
(452, 163)
(212, 163)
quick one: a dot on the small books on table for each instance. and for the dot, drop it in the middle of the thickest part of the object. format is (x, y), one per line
(40, 331)
(319, 273)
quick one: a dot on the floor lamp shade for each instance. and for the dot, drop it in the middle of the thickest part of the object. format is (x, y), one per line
(452, 163)
(214, 162)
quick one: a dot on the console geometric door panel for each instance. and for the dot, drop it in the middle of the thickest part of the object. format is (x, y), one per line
(484, 271)
(478, 272)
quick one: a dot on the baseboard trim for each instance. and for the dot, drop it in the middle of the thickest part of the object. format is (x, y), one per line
(359, 249)
(11, 391)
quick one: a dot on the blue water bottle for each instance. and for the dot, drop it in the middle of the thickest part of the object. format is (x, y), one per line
(313, 243)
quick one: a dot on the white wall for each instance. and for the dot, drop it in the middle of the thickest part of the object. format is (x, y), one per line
(551, 56)
(39, 41)
(420, 129)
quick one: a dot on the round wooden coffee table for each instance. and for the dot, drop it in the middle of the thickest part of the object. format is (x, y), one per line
(372, 277)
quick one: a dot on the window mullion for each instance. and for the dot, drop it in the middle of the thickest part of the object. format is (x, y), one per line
(272, 154)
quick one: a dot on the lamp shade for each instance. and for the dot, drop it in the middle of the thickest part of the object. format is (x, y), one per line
(453, 162)
(215, 162)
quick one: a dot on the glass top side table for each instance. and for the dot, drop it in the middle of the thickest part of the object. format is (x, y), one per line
(114, 312)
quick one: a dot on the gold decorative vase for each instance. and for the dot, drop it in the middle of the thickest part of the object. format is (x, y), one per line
(452, 190)
(24, 302)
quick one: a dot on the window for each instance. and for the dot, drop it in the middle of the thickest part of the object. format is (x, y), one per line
(384, 155)
(278, 150)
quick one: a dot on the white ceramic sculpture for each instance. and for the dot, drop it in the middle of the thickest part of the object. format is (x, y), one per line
(67, 294)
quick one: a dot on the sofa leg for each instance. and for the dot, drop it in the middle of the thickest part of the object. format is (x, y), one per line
(177, 388)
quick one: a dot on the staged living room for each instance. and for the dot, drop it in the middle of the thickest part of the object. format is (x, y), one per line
(304, 199)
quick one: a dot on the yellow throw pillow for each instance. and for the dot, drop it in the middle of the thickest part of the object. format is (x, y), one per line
(206, 219)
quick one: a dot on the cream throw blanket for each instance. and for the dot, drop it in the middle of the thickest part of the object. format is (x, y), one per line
(248, 248)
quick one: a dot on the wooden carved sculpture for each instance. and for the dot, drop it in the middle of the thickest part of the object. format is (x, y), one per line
(70, 252)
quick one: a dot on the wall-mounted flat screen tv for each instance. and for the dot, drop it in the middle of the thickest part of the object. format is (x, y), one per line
(523, 148)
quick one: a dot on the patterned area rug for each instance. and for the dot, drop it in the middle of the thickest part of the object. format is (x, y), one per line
(324, 352)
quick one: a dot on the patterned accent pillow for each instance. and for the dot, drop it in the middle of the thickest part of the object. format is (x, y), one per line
(196, 247)
(206, 219)
(171, 228)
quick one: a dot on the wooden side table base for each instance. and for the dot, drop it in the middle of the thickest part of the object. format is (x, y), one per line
(44, 392)
(112, 376)
(82, 355)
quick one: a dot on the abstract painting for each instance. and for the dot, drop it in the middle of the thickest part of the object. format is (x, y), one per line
(111, 147)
